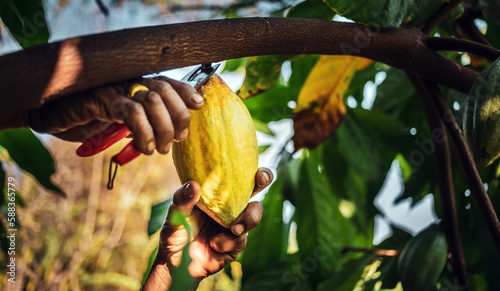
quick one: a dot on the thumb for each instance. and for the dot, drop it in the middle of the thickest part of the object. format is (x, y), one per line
(185, 198)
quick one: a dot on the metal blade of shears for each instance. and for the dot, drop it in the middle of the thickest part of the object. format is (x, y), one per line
(200, 75)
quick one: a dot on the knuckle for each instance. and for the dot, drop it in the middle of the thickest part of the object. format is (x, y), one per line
(134, 108)
(184, 119)
(152, 98)
(163, 87)
(254, 218)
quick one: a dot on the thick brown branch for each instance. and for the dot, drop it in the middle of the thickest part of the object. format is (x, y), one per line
(462, 45)
(471, 175)
(48, 71)
(444, 177)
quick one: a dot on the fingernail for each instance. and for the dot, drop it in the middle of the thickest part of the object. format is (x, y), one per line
(197, 98)
(166, 149)
(183, 134)
(188, 191)
(238, 229)
(151, 146)
(266, 177)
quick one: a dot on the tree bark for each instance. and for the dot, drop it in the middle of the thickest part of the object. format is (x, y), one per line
(30, 77)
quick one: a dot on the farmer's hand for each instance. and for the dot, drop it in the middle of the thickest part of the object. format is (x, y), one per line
(154, 117)
(213, 247)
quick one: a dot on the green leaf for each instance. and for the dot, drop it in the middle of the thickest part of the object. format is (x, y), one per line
(283, 274)
(270, 232)
(366, 139)
(349, 277)
(388, 271)
(271, 105)
(314, 9)
(13, 7)
(396, 98)
(263, 148)
(234, 65)
(25, 20)
(262, 73)
(300, 70)
(493, 31)
(481, 123)
(386, 13)
(357, 158)
(181, 279)
(357, 86)
(321, 228)
(158, 213)
(29, 154)
(150, 265)
(420, 183)
(490, 260)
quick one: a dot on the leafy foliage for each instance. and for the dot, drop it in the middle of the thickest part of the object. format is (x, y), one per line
(25, 20)
(25, 148)
(330, 189)
(386, 13)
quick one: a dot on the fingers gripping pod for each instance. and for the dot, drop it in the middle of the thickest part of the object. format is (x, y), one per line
(103, 140)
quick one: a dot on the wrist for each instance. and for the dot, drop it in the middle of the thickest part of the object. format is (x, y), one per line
(159, 277)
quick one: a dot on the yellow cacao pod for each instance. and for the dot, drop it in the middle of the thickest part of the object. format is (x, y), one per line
(220, 152)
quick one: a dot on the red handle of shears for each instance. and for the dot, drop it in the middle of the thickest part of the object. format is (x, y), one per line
(107, 138)
(103, 140)
(110, 136)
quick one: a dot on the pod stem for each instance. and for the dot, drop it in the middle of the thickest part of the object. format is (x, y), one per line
(444, 175)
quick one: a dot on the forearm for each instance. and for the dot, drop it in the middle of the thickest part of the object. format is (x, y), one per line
(13, 120)
(158, 279)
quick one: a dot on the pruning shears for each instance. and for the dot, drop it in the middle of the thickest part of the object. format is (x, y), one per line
(103, 140)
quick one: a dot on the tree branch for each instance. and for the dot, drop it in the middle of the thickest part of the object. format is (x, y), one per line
(444, 177)
(466, 23)
(440, 15)
(472, 177)
(462, 45)
(104, 10)
(62, 68)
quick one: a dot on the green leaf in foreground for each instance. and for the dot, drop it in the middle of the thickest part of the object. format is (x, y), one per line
(30, 154)
(350, 275)
(270, 232)
(25, 20)
(321, 228)
(158, 213)
(150, 265)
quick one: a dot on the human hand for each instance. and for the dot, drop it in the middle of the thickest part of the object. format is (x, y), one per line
(154, 117)
(213, 246)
